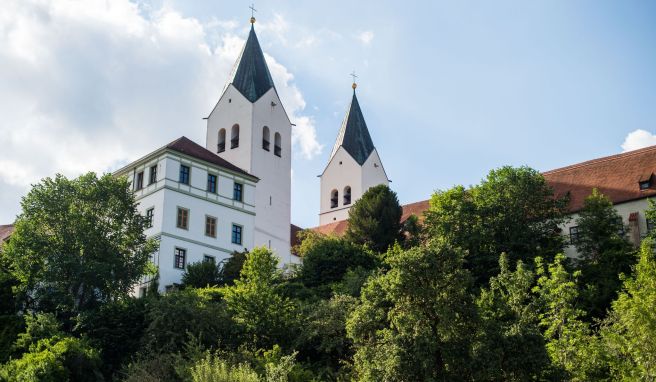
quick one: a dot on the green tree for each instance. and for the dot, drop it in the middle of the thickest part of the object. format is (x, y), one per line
(510, 345)
(512, 211)
(201, 274)
(605, 253)
(415, 322)
(576, 353)
(78, 243)
(631, 328)
(231, 268)
(375, 219)
(266, 317)
(326, 259)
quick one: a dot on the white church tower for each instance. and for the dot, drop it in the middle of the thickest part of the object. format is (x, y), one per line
(250, 128)
(354, 166)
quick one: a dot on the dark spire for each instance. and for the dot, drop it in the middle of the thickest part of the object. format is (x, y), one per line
(354, 135)
(251, 75)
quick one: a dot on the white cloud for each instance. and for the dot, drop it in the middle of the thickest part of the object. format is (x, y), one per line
(92, 85)
(365, 37)
(638, 139)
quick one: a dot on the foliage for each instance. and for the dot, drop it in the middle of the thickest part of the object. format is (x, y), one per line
(214, 369)
(78, 243)
(510, 345)
(605, 253)
(571, 345)
(201, 275)
(116, 329)
(415, 321)
(326, 259)
(55, 359)
(264, 314)
(199, 312)
(512, 211)
(375, 219)
(231, 268)
(631, 329)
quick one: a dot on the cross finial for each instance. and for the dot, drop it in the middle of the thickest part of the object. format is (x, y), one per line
(253, 10)
(354, 77)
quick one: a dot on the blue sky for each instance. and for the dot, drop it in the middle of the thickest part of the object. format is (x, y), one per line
(449, 90)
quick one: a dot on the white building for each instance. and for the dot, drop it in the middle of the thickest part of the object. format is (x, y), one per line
(354, 166)
(250, 128)
(200, 207)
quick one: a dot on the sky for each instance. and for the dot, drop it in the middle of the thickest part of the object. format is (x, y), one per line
(449, 89)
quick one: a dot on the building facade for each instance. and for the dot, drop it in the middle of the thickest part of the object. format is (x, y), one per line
(199, 207)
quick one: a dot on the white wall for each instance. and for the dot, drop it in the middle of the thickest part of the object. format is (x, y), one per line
(342, 171)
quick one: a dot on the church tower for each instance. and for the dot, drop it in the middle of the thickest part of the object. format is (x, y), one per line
(354, 166)
(250, 128)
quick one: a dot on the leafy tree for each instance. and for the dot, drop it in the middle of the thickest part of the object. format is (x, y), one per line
(201, 274)
(201, 313)
(605, 253)
(231, 268)
(574, 350)
(214, 369)
(512, 211)
(511, 346)
(415, 321)
(631, 328)
(78, 243)
(256, 304)
(375, 219)
(326, 259)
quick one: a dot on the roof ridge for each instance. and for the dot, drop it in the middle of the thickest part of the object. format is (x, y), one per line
(601, 160)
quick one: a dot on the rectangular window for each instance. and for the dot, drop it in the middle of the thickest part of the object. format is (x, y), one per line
(153, 174)
(236, 234)
(184, 174)
(574, 235)
(138, 185)
(183, 218)
(209, 258)
(210, 226)
(180, 258)
(237, 192)
(211, 183)
(150, 213)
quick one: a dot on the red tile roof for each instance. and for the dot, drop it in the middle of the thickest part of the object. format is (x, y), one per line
(186, 146)
(6, 231)
(615, 176)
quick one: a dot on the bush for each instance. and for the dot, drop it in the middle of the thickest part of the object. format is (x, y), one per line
(201, 275)
(214, 369)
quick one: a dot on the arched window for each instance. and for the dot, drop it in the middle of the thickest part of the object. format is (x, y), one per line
(221, 145)
(234, 137)
(266, 136)
(277, 149)
(334, 198)
(347, 195)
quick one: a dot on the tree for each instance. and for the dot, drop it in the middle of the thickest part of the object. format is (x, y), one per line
(326, 259)
(375, 219)
(415, 322)
(78, 243)
(201, 274)
(510, 345)
(266, 317)
(231, 268)
(631, 328)
(575, 351)
(512, 211)
(605, 253)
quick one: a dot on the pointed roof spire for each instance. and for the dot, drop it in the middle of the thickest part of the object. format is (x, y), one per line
(251, 74)
(354, 135)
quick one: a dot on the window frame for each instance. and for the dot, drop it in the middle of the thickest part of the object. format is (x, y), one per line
(209, 258)
(179, 252)
(177, 218)
(239, 231)
(235, 187)
(150, 217)
(138, 183)
(574, 235)
(152, 178)
(216, 183)
(187, 173)
(208, 218)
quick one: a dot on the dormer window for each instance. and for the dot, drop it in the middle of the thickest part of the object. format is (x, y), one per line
(645, 181)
